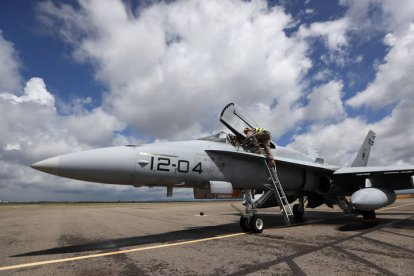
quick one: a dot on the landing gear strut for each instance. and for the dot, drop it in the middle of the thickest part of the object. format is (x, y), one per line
(249, 221)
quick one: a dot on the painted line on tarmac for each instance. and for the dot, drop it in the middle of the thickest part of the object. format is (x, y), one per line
(10, 267)
(383, 209)
(63, 260)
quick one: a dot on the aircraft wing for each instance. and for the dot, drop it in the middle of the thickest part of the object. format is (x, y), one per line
(289, 161)
(392, 177)
(376, 170)
(304, 163)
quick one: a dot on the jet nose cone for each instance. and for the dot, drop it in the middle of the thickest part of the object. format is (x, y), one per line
(48, 166)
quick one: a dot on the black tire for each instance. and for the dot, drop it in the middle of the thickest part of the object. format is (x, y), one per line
(256, 224)
(298, 211)
(369, 217)
(244, 224)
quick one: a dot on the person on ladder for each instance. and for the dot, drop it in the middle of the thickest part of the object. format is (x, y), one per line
(260, 136)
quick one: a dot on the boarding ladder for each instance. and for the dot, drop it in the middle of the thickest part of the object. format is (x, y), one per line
(280, 195)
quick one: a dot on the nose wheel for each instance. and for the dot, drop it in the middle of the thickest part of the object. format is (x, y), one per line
(244, 224)
(255, 224)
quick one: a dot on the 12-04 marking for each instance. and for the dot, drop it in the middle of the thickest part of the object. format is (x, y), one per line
(163, 164)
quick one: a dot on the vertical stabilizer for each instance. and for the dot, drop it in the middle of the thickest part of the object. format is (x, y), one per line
(361, 159)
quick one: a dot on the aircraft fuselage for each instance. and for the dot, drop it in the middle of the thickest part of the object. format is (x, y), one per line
(180, 164)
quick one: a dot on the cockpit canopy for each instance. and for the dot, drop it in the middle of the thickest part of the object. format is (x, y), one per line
(220, 137)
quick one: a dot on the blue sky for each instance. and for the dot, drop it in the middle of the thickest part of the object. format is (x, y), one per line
(83, 75)
(44, 55)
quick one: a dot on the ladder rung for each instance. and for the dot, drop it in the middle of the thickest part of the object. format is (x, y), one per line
(279, 194)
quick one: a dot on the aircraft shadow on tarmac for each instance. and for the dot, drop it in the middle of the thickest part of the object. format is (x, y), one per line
(345, 223)
(169, 237)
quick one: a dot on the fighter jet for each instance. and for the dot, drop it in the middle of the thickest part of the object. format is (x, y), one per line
(225, 166)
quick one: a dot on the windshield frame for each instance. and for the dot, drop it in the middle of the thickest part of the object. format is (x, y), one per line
(219, 137)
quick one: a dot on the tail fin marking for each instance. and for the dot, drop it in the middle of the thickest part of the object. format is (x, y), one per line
(361, 160)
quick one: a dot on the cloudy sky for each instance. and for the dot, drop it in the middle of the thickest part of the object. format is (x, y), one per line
(89, 74)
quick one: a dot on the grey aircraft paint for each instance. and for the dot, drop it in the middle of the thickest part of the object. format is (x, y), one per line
(205, 164)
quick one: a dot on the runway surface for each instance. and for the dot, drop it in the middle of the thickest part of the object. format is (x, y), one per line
(173, 239)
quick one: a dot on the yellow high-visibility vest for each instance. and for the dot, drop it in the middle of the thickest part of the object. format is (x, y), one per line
(259, 129)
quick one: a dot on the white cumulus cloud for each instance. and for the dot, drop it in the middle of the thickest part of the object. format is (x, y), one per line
(325, 102)
(9, 66)
(35, 91)
(32, 130)
(334, 33)
(392, 89)
(393, 81)
(171, 67)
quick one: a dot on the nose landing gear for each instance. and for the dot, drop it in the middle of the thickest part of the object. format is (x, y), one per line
(249, 221)
(254, 224)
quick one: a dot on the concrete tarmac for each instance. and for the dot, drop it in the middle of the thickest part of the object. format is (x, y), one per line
(173, 239)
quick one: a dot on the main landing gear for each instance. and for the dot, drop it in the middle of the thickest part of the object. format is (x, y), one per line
(249, 221)
(369, 217)
(299, 209)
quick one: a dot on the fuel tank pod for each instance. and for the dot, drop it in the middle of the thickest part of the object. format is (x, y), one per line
(370, 199)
